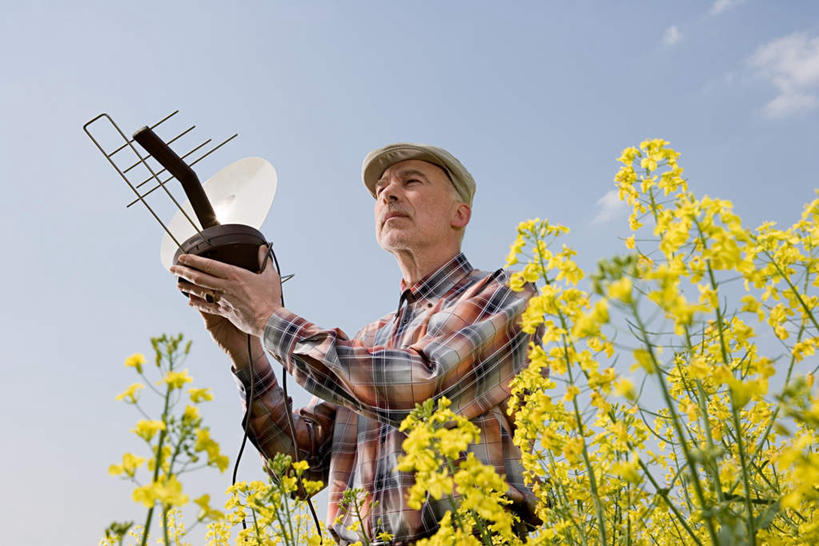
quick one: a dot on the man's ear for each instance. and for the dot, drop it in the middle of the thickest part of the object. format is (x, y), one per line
(461, 216)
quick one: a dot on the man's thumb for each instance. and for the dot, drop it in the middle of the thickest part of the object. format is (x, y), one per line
(263, 250)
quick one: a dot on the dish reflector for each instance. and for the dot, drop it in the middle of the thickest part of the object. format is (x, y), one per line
(241, 193)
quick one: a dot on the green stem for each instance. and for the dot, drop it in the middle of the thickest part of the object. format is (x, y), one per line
(565, 499)
(146, 526)
(775, 414)
(361, 521)
(653, 202)
(675, 421)
(745, 477)
(734, 410)
(664, 495)
(598, 504)
(256, 526)
(628, 515)
(660, 491)
(702, 402)
(286, 499)
(158, 464)
(578, 419)
(455, 514)
(280, 519)
(165, 509)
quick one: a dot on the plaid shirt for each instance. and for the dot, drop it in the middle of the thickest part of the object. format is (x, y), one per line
(456, 334)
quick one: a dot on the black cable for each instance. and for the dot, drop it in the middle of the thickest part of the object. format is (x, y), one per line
(291, 425)
(248, 399)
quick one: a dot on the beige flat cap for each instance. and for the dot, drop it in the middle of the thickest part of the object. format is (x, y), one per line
(381, 159)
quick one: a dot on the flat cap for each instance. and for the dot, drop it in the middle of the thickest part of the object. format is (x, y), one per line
(381, 159)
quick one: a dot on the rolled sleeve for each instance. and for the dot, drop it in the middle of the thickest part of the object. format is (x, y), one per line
(281, 332)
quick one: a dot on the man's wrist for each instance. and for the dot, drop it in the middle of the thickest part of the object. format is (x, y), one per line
(260, 375)
(257, 357)
(264, 318)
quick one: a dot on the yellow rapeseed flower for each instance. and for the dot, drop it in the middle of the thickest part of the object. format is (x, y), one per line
(625, 388)
(191, 414)
(514, 250)
(628, 470)
(166, 491)
(629, 155)
(620, 290)
(200, 395)
(130, 463)
(136, 361)
(698, 367)
(806, 347)
(571, 393)
(147, 428)
(130, 394)
(644, 360)
(207, 512)
(175, 380)
(207, 444)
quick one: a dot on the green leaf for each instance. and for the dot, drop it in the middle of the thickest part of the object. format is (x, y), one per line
(763, 520)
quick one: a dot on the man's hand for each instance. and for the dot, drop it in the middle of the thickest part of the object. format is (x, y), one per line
(244, 298)
(230, 339)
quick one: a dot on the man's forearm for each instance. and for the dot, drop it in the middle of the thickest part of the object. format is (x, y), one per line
(255, 355)
(269, 423)
(471, 355)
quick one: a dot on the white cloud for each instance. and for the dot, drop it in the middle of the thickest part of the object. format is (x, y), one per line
(787, 105)
(724, 5)
(791, 64)
(608, 207)
(672, 35)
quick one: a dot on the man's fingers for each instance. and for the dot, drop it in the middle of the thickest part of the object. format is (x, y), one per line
(187, 288)
(246, 299)
(198, 277)
(213, 267)
(201, 305)
(263, 256)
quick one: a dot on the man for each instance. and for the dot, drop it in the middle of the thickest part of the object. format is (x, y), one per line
(455, 334)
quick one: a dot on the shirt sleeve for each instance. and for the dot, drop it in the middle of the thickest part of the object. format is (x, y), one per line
(471, 351)
(269, 429)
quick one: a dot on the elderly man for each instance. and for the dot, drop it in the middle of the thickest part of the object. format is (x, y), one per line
(455, 334)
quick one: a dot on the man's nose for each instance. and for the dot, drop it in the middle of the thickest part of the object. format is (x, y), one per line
(389, 193)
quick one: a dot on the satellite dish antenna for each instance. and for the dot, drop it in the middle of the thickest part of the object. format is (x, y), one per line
(241, 195)
(220, 220)
(236, 244)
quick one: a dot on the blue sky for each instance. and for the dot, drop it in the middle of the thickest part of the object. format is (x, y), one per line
(536, 98)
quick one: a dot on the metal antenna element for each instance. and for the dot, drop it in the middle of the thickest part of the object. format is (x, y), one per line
(124, 163)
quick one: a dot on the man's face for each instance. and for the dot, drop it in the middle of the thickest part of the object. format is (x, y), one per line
(416, 207)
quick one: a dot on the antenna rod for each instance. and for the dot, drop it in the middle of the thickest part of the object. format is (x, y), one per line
(182, 172)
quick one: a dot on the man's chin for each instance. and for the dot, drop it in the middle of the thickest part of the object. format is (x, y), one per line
(393, 241)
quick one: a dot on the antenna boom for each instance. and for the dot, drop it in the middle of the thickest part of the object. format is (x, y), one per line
(182, 172)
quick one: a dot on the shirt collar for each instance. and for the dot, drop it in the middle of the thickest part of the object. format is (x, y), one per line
(439, 282)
